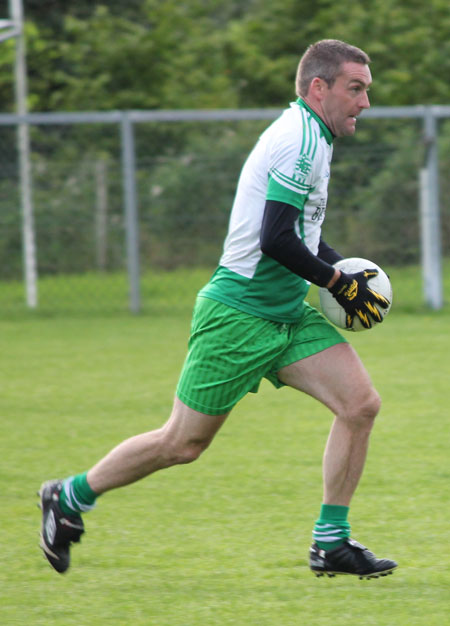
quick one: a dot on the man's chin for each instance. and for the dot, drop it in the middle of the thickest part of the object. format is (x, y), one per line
(347, 131)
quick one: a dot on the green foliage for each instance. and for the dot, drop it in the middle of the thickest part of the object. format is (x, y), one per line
(186, 178)
(374, 193)
(156, 54)
(7, 55)
(185, 198)
(167, 54)
(170, 58)
(407, 41)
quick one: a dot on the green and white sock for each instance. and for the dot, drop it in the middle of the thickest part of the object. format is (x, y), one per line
(331, 528)
(76, 495)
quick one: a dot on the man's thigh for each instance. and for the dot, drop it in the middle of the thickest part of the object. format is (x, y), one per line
(312, 335)
(335, 376)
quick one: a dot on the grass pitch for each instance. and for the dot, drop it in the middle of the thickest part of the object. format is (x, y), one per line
(222, 541)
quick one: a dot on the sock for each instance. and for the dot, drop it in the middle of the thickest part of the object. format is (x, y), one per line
(76, 495)
(331, 528)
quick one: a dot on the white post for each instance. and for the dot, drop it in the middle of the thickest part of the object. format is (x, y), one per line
(430, 218)
(101, 213)
(131, 211)
(23, 139)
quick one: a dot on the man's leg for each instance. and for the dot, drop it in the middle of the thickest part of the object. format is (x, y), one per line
(337, 378)
(181, 440)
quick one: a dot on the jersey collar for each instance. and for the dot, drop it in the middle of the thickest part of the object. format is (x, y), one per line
(325, 131)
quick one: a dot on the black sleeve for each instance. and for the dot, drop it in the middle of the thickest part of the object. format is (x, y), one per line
(327, 253)
(280, 242)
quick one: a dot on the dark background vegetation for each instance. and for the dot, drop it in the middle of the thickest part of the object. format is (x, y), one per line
(207, 54)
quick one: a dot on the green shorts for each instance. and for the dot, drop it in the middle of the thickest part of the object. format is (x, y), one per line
(230, 352)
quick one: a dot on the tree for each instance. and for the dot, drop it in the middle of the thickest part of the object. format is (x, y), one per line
(166, 54)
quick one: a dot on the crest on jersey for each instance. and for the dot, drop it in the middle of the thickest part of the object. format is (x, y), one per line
(302, 168)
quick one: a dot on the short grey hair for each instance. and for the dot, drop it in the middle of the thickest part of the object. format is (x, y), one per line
(323, 59)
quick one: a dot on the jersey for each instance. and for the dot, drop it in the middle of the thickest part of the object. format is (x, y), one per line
(290, 163)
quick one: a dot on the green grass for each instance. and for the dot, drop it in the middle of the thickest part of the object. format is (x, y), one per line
(222, 541)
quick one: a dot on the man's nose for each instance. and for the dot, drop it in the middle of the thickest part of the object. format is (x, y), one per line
(364, 100)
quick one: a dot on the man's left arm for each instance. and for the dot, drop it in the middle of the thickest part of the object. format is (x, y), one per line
(279, 241)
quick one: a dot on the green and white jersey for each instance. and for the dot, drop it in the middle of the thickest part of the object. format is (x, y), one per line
(290, 163)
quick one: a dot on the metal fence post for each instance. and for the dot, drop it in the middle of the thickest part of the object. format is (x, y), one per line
(23, 145)
(131, 211)
(430, 217)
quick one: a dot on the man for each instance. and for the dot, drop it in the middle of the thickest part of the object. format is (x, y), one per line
(250, 321)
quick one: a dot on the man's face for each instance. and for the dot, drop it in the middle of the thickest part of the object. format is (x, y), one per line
(345, 100)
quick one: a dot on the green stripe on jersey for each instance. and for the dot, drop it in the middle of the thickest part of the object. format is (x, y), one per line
(324, 130)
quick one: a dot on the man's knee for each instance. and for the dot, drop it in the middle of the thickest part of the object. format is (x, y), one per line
(183, 452)
(187, 434)
(370, 405)
(362, 410)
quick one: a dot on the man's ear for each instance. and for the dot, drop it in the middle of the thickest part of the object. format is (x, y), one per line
(317, 88)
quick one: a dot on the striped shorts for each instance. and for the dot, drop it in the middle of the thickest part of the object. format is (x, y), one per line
(230, 352)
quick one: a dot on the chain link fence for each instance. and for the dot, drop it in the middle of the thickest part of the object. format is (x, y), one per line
(178, 174)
